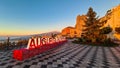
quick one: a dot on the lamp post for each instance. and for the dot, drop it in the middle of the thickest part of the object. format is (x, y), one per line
(8, 43)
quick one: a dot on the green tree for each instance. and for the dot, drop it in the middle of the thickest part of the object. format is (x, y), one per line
(92, 31)
(117, 29)
(106, 30)
(53, 35)
(91, 17)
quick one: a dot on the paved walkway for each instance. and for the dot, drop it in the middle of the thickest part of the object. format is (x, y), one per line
(68, 55)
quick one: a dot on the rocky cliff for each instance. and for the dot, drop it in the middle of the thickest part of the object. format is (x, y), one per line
(80, 21)
(67, 31)
(113, 20)
(77, 29)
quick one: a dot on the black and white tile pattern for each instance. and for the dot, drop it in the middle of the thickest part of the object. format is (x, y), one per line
(68, 55)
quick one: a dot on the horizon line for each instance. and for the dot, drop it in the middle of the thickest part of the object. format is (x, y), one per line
(28, 34)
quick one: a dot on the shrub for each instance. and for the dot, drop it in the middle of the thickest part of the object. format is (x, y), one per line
(105, 43)
(117, 29)
(106, 30)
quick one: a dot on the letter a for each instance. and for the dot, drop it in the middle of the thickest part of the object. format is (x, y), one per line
(31, 44)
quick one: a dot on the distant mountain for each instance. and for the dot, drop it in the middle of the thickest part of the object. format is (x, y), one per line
(46, 34)
(2, 38)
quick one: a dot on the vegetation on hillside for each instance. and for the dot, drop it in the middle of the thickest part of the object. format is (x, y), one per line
(7, 45)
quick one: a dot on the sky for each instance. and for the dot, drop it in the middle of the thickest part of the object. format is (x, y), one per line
(26, 17)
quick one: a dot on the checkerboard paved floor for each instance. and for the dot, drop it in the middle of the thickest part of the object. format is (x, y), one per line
(68, 55)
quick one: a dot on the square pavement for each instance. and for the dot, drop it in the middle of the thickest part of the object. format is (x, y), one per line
(68, 55)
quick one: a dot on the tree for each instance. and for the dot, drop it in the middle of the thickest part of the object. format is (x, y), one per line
(106, 30)
(53, 35)
(91, 30)
(22, 42)
(117, 29)
(91, 17)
